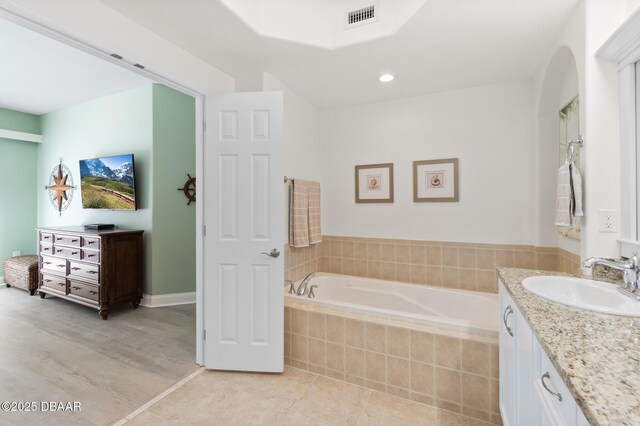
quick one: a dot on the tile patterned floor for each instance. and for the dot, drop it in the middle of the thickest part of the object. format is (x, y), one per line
(296, 397)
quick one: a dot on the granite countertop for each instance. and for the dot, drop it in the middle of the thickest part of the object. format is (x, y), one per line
(597, 355)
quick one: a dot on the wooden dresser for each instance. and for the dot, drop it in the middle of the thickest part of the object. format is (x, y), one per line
(93, 268)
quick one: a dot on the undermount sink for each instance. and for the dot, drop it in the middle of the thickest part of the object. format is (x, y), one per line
(582, 293)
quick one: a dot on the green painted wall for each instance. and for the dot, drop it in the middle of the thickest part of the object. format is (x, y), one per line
(19, 121)
(174, 222)
(112, 125)
(18, 185)
(151, 122)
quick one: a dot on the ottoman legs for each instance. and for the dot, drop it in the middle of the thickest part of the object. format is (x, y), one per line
(32, 292)
(8, 285)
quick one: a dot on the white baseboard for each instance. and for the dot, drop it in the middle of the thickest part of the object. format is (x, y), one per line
(1, 279)
(172, 299)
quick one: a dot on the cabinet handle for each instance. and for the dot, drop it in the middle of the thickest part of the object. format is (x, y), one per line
(75, 288)
(75, 240)
(508, 311)
(544, 385)
(59, 251)
(74, 252)
(75, 268)
(91, 242)
(47, 281)
(91, 255)
(47, 263)
(61, 266)
(92, 272)
(93, 292)
(61, 284)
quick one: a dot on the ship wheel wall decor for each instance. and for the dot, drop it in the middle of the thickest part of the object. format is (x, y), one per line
(60, 187)
(189, 189)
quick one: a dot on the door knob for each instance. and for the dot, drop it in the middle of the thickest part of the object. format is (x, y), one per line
(274, 253)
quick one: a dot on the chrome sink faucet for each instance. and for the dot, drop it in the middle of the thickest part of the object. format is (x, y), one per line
(630, 269)
(302, 289)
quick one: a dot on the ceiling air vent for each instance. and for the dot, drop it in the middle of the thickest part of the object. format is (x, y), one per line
(361, 16)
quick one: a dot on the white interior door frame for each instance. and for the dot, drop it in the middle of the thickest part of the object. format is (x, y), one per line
(38, 24)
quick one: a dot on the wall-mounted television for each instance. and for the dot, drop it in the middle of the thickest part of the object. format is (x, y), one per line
(108, 183)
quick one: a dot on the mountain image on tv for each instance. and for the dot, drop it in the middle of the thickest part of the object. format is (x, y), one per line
(108, 183)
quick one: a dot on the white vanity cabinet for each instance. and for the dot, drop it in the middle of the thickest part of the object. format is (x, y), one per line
(531, 390)
(515, 364)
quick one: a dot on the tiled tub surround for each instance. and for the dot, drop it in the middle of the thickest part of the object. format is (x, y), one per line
(469, 266)
(594, 353)
(452, 370)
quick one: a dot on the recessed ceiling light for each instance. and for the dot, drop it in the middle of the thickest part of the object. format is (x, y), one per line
(385, 78)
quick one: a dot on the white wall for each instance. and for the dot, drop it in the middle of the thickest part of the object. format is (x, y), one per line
(302, 139)
(489, 128)
(302, 133)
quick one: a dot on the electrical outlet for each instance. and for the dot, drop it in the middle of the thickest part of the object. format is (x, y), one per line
(608, 221)
(16, 253)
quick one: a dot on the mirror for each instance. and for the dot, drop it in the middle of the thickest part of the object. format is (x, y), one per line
(570, 130)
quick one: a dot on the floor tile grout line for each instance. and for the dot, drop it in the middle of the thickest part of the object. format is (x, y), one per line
(159, 397)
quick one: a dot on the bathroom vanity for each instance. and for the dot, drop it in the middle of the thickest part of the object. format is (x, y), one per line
(561, 365)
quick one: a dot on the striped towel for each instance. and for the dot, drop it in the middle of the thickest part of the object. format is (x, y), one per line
(315, 232)
(569, 195)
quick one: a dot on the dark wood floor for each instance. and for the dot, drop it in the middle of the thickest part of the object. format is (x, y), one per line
(53, 350)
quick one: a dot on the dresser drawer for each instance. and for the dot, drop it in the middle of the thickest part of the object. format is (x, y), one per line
(66, 240)
(46, 249)
(54, 264)
(90, 256)
(51, 282)
(69, 253)
(83, 290)
(91, 243)
(46, 237)
(84, 270)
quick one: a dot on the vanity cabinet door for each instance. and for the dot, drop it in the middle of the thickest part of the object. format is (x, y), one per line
(508, 371)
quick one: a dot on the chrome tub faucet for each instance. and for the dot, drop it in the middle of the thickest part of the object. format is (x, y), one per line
(630, 269)
(302, 289)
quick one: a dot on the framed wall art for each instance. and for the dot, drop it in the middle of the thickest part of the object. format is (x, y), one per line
(435, 181)
(374, 183)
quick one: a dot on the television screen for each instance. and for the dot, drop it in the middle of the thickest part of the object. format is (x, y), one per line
(108, 183)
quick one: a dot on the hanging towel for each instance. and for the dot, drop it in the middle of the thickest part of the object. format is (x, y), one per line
(569, 195)
(299, 214)
(315, 233)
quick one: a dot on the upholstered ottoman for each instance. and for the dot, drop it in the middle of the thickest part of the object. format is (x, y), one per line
(22, 272)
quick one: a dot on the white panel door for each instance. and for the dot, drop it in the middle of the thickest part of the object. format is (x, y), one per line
(244, 211)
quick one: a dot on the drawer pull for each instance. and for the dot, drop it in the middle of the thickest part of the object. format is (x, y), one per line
(92, 272)
(59, 239)
(46, 237)
(75, 288)
(74, 252)
(544, 385)
(508, 311)
(91, 255)
(59, 251)
(61, 266)
(93, 292)
(75, 240)
(75, 268)
(47, 281)
(91, 242)
(61, 284)
(47, 263)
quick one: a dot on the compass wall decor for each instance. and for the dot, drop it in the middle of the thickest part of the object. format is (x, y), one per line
(60, 187)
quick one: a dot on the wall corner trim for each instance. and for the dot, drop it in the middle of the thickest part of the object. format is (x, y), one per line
(171, 299)
(21, 136)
